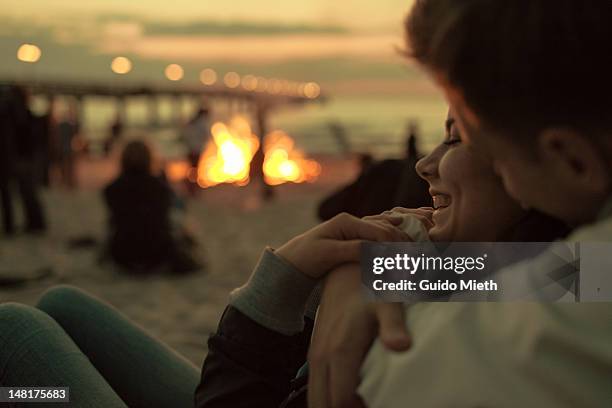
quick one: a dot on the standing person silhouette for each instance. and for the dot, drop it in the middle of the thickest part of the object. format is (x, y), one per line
(195, 136)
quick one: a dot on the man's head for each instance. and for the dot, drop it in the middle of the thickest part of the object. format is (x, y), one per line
(534, 77)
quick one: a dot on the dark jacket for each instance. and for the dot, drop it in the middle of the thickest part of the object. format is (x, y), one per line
(139, 207)
(249, 365)
(384, 185)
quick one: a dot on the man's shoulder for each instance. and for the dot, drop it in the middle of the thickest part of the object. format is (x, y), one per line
(598, 231)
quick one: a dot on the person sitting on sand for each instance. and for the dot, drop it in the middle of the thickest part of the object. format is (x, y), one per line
(139, 205)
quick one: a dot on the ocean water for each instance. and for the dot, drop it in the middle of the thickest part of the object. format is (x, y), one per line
(373, 124)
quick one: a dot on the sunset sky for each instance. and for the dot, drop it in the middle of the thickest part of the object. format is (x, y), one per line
(350, 47)
(334, 42)
(357, 14)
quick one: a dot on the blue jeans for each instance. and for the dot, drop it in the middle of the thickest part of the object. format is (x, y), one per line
(74, 340)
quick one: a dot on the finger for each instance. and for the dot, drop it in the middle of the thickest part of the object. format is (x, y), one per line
(423, 214)
(425, 211)
(391, 232)
(428, 209)
(355, 228)
(426, 221)
(392, 219)
(392, 326)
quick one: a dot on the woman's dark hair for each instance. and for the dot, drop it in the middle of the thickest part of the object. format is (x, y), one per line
(522, 66)
(136, 158)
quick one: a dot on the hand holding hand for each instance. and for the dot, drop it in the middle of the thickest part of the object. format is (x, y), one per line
(338, 241)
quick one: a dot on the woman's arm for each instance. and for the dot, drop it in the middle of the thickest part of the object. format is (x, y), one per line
(262, 338)
(248, 365)
(261, 341)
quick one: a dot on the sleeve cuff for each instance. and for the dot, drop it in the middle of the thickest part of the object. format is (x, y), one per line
(275, 295)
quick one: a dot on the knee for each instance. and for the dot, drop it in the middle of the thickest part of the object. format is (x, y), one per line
(61, 301)
(18, 322)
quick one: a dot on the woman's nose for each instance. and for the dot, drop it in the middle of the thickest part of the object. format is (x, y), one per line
(427, 167)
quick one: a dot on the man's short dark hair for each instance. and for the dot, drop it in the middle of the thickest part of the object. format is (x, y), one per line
(522, 66)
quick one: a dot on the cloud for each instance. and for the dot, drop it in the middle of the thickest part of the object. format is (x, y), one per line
(215, 28)
(256, 49)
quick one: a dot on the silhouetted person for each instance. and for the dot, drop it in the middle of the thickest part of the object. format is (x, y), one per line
(339, 134)
(18, 167)
(44, 139)
(139, 203)
(195, 136)
(381, 186)
(116, 131)
(411, 188)
(6, 160)
(67, 130)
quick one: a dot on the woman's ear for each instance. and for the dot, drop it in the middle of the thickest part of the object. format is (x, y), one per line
(574, 158)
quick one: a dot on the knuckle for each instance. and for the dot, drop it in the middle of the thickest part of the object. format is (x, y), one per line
(343, 216)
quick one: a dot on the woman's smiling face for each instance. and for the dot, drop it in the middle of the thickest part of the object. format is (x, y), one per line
(469, 199)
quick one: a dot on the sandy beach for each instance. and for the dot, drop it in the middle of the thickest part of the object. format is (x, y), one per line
(232, 225)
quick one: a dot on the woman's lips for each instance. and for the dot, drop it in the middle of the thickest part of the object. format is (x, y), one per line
(441, 201)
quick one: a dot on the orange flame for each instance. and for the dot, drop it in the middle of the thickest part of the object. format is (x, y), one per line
(283, 162)
(227, 157)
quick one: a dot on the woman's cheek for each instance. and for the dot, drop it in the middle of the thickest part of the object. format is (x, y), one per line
(455, 168)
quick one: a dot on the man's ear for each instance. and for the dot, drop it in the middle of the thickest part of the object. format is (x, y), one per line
(574, 157)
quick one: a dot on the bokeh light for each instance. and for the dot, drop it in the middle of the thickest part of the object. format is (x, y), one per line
(293, 88)
(249, 82)
(262, 84)
(208, 76)
(28, 53)
(121, 65)
(274, 86)
(284, 86)
(174, 72)
(231, 80)
(312, 90)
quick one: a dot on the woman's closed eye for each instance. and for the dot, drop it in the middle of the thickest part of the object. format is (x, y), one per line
(450, 142)
(452, 134)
